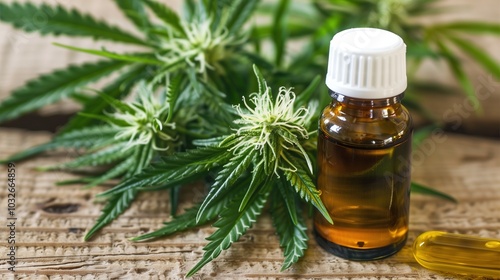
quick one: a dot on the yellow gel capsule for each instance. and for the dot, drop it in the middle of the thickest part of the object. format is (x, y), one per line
(458, 253)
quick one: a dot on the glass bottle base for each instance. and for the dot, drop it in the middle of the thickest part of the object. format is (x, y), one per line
(358, 254)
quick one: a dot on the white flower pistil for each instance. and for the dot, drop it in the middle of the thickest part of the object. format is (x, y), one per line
(142, 124)
(276, 125)
(199, 46)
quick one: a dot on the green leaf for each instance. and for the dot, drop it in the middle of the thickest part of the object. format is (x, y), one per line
(427, 87)
(268, 154)
(187, 220)
(305, 187)
(340, 6)
(220, 141)
(419, 50)
(118, 89)
(189, 8)
(143, 155)
(288, 197)
(145, 58)
(279, 34)
(258, 177)
(306, 95)
(165, 14)
(134, 11)
(87, 137)
(175, 169)
(115, 103)
(419, 188)
(117, 170)
(258, 60)
(83, 138)
(107, 155)
(240, 12)
(173, 91)
(81, 98)
(220, 11)
(480, 56)
(174, 199)
(458, 70)
(212, 8)
(169, 67)
(472, 27)
(28, 153)
(105, 118)
(293, 235)
(293, 139)
(52, 87)
(116, 205)
(59, 21)
(232, 225)
(230, 172)
(214, 101)
(260, 80)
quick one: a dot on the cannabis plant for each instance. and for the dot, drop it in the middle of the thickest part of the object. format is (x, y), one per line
(204, 47)
(264, 159)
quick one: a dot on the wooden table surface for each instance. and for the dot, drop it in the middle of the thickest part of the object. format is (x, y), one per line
(52, 220)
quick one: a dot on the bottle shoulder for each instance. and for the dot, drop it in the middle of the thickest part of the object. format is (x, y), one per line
(371, 126)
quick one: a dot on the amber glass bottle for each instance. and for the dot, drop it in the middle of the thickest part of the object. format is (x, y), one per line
(364, 147)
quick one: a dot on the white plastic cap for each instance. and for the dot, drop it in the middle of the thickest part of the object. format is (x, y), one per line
(367, 63)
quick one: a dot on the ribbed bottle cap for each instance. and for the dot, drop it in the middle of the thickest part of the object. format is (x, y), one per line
(367, 63)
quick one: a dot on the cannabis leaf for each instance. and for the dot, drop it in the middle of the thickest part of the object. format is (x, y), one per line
(180, 223)
(290, 227)
(135, 12)
(145, 58)
(117, 204)
(232, 225)
(305, 187)
(419, 188)
(78, 139)
(104, 156)
(60, 21)
(114, 207)
(187, 220)
(52, 87)
(225, 179)
(118, 89)
(175, 169)
(196, 47)
(164, 13)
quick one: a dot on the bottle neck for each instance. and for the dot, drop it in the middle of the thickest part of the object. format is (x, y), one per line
(366, 103)
(367, 108)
